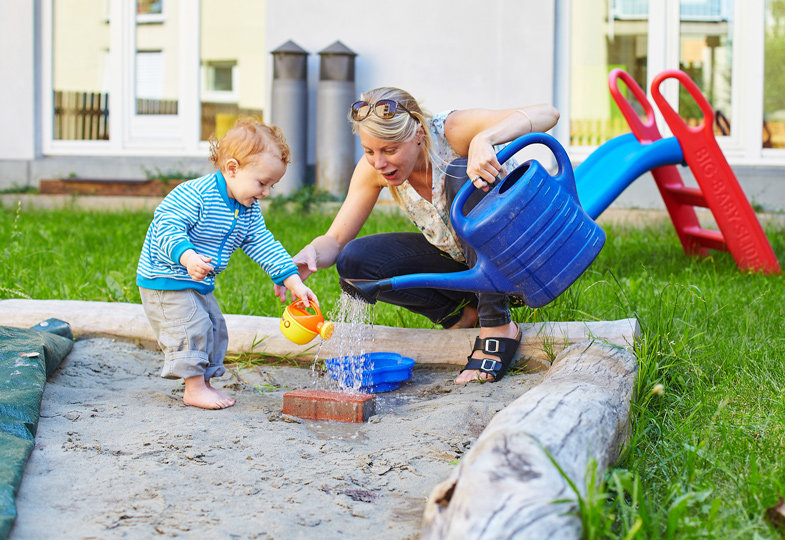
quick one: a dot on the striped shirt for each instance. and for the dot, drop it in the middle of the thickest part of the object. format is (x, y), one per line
(199, 215)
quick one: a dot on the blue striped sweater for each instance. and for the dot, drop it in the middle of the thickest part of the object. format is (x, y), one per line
(199, 215)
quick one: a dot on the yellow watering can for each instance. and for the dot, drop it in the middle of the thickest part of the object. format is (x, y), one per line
(301, 326)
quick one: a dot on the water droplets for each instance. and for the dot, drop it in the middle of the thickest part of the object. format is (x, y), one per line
(351, 341)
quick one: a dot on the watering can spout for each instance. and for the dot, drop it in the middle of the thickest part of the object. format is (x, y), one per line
(366, 290)
(472, 280)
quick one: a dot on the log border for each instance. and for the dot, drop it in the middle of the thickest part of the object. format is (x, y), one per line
(509, 485)
(540, 344)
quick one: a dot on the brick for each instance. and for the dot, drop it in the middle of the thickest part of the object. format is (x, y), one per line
(329, 405)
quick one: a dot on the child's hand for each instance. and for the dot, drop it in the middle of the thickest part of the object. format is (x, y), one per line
(197, 265)
(306, 265)
(299, 290)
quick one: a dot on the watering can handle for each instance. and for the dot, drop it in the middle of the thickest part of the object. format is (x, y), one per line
(299, 305)
(564, 175)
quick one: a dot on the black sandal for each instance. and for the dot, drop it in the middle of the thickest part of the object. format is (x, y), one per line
(505, 348)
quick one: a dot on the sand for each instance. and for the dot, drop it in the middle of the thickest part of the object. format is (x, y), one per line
(118, 454)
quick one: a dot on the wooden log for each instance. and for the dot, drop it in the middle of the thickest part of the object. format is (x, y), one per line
(506, 485)
(541, 342)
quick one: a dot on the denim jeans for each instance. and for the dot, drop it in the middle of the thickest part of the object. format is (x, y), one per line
(381, 256)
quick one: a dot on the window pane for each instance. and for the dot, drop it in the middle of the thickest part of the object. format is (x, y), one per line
(149, 7)
(774, 76)
(157, 72)
(232, 63)
(706, 30)
(79, 70)
(605, 35)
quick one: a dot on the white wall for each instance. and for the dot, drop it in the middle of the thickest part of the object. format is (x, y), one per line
(446, 53)
(18, 89)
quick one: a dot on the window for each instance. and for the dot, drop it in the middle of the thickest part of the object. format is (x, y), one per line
(218, 81)
(620, 33)
(150, 71)
(117, 84)
(706, 53)
(80, 92)
(604, 35)
(149, 7)
(149, 11)
(773, 135)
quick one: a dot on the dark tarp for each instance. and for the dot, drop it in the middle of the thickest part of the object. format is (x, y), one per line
(27, 358)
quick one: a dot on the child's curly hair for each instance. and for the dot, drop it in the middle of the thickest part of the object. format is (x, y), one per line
(246, 139)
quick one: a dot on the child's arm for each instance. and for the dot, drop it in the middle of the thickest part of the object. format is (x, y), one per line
(197, 265)
(300, 290)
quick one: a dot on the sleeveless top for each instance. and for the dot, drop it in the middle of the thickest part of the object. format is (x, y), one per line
(433, 218)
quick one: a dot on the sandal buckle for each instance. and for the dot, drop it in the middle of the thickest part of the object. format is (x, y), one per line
(489, 369)
(493, 341)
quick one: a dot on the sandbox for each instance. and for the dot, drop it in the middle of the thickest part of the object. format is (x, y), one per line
(118, 454)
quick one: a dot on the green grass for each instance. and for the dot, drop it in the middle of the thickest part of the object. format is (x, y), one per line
(705, 457)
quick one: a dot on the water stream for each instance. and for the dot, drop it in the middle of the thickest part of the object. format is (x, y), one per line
(352, 338)
(350, 368)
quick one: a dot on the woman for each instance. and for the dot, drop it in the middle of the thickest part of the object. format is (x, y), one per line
(408, 151)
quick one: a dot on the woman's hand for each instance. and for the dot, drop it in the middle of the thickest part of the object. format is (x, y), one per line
(473, 132)
(482, 166)
(306, 261)
(306, 265)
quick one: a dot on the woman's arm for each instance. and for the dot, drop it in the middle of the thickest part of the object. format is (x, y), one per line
(473, 132)
(323, 251)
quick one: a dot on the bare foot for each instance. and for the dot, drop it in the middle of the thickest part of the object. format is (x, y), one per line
(199, 393)
(507, 331)
(468, 318)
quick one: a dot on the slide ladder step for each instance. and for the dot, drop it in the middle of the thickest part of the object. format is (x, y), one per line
(686, 195)
(706, 238)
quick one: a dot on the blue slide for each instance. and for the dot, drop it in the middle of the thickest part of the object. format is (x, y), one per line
(616, 164)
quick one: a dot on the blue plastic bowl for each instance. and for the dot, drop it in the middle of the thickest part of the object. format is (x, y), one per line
(375, 372)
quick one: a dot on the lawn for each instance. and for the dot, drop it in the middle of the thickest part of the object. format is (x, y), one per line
(705, 458)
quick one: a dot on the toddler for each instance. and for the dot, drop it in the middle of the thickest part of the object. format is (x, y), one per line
(194, 231)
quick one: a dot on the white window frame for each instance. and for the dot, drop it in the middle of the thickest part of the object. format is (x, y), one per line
(131, 134)
(743, 145)
(220, 96)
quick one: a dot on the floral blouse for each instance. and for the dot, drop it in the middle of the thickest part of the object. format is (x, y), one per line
(433, 219)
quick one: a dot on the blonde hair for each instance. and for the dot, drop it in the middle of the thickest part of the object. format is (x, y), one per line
(401, 127)
(245, 140)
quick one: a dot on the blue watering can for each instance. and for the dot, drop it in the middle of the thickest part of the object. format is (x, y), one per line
(530, 234)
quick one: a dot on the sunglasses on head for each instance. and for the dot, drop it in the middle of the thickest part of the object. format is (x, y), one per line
(384, 108)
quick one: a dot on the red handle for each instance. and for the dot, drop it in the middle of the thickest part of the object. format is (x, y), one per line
(675, 121)
(644, 132)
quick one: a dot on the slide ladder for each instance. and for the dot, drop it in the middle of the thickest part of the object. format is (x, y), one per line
(739, 231)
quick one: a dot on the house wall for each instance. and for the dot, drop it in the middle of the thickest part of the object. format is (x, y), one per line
(223, 20)
(18, 53)
(494, 54)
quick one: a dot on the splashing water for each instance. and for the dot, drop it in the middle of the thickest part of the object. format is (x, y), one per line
(353, 335)
(314, 373)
